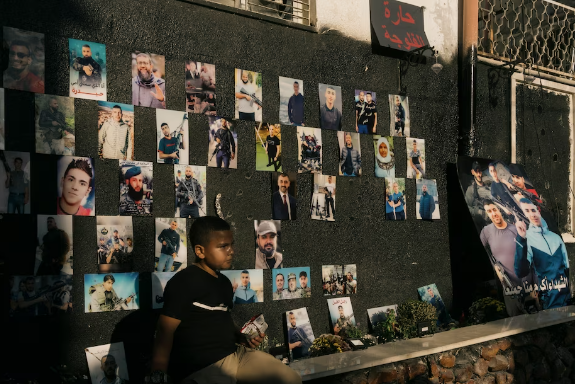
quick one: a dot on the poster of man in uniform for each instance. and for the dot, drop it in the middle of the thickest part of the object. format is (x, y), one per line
(173, 137)
(309, 155)
(201, 88)
(349, 154)
(39, 296)
(299, 333)
(15, 182)
(54, 254)
(76, 186)
(111, 292)
(171, 245)
(339, 279)
(87, 70)
(519, 233)
(249, 100)
(26, 60)
(399, 114)
(54, 125)
(107, 364)
(148, 80)
(190, 191)
(291, 283)
(247, 284)
(223, 143)
(291, 101)
(268, 138)
(115, 248)
(115, 131)
(323, 198)
(341, 314)
(136, 187)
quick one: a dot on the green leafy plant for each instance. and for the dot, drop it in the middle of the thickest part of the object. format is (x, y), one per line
(351, 333)
(327, 344)
(412, 312)
(486, 309)
(386, 330)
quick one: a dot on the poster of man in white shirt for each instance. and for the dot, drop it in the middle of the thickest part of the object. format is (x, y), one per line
(115, 131)
(248, 95)
(323, 198)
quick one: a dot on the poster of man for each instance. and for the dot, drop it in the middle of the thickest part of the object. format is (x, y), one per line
(115, 246)
(395, 207)
(87, 70)
(415, 158)
(111, 292)
(54, 123)
(76, 186)
(148, 80)
(200, 88)
(268, 244)
(519, 233)
(430, 294)
(173, 137)
(349, 154)
(292, 111)
(249, 100)
(299, 333)
(365, 111)
(399, 114)
(284, 190)
(15, 182)
(247, 284)
(39, 296)
(171, 245)
(190, 191)
(323, 198)
(2, 121)
(107, 364)
(384, 156)
(268, 138)
(26, 60)
(341, 314)
(330, 109)
(159, 281)
(223, 143)
(136, 187)
(427, 204)
(379, 314)
(339, 279)
(115, 131)
(54, 254)
(309, 155)
(291, 283)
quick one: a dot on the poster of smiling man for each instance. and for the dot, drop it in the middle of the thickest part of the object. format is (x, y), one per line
(148, 80)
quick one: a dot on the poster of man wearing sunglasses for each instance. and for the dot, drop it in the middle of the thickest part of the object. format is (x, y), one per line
(25, 70)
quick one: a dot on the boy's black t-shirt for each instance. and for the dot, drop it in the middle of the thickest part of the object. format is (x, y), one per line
(207, 332)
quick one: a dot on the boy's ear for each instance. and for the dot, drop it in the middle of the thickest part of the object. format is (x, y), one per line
(199, 251)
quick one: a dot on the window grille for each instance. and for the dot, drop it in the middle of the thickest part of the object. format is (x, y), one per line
(298, 11)
(540, 33)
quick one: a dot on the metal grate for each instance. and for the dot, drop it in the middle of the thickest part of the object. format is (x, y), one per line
(540, 33)
(298, 11)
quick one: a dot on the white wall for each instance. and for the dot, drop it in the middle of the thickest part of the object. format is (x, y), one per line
(352, 18)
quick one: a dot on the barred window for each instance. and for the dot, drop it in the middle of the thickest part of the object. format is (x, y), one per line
(297, 11)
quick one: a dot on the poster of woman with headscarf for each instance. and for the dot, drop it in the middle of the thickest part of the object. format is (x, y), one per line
(384, 157)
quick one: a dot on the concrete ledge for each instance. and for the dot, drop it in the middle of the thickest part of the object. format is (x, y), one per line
(330, 365)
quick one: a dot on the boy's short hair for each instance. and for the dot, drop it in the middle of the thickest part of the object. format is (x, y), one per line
(109, 277)
(202, 228)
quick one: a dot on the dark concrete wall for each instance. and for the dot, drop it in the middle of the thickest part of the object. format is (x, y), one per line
(393, 258)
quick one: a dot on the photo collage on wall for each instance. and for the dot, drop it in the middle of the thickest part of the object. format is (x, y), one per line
(339, 279)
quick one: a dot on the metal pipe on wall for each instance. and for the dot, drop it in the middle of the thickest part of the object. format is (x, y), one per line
(468, 66)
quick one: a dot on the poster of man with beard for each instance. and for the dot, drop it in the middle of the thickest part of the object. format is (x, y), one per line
(148, 84)
(268, 233)
(87, 70)
(136, 186)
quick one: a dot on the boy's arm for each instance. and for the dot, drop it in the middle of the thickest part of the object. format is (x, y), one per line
(163, 342)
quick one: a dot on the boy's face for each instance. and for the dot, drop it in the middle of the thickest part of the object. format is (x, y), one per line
(219, 252)
(245, 279)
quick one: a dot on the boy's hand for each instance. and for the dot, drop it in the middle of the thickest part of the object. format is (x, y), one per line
(256, 341)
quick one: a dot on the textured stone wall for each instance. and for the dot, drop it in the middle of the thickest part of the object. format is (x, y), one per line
(542, 356)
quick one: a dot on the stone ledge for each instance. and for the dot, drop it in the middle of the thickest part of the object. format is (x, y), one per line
(330, 365)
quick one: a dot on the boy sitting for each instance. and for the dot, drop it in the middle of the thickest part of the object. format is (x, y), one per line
(197, 341)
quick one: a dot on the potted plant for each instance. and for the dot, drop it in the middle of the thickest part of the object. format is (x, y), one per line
(327, 344)
(412, 312)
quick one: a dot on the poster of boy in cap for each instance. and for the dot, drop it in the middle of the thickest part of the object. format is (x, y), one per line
(135, 188)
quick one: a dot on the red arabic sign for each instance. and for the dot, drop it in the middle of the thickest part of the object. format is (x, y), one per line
(398, 25)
